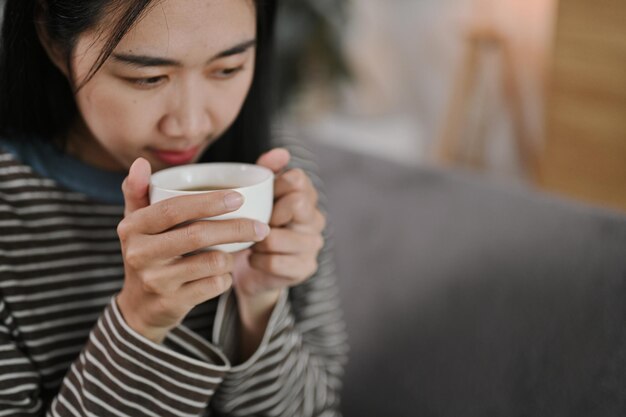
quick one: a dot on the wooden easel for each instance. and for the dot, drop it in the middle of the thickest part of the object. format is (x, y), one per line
(453, 147)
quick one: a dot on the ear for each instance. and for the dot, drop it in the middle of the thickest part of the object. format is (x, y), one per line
(52, 50)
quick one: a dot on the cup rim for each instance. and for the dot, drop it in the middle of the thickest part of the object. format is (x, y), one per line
(156, 175)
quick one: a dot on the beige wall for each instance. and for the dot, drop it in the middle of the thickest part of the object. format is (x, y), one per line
(406, 54)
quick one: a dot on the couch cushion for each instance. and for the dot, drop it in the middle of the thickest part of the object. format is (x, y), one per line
(467, 297)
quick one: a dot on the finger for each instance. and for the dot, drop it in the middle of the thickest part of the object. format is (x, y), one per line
(294, 180)
(253, 281)
(135, 186)
(169, 213)
(199, 235)
(285, 241)
(167, 279)
(295, 268)
(201, 290)
(276, 159)
(295, 207)
(316, 226)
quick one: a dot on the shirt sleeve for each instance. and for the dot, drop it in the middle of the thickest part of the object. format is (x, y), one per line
(299, 365)
(118, 372)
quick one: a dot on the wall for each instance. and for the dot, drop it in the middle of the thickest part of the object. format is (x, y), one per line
(406, 54)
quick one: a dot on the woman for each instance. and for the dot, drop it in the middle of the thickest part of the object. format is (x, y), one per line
(100, 313)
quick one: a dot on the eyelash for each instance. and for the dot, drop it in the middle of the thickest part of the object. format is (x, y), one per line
(147, 82)
(230, 72)
(152, 82)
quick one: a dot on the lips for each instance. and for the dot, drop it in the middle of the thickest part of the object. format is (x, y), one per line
(176, 157)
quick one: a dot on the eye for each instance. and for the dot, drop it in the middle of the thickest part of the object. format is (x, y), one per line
(228, 72)
(149, 82)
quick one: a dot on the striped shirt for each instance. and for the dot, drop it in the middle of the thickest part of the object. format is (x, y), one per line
(65, 349)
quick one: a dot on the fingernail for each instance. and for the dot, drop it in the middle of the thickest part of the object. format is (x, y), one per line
(261, 230)
(233, 200)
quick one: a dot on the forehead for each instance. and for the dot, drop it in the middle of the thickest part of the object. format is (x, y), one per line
(183, 28)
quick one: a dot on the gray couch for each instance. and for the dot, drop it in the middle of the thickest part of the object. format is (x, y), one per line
(469, 298)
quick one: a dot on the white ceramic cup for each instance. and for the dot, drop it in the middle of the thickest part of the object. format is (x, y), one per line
(254, 182)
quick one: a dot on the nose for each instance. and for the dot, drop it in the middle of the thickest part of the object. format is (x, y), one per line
(188, 114)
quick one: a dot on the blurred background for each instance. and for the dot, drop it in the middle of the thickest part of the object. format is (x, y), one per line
(474, 156)
(529, 92)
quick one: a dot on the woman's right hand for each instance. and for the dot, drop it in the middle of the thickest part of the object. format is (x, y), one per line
(161, 285)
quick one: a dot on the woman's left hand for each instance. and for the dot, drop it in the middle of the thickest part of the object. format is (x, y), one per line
(288, 256)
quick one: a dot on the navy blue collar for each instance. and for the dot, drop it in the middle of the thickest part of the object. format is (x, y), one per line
(49, 161)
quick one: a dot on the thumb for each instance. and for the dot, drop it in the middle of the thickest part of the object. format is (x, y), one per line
(136, 186)
(276, 159)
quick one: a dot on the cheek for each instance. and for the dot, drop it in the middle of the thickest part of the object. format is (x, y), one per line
(112, 117)
(231, 102)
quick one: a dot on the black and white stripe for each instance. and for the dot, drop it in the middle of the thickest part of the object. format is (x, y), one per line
(65, 349)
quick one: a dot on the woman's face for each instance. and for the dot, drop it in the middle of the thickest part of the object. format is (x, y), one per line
(172, 86)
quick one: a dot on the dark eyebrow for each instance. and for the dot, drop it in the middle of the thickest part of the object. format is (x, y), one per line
(153, 61)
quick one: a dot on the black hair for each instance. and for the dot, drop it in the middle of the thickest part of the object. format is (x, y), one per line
(37, 99)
